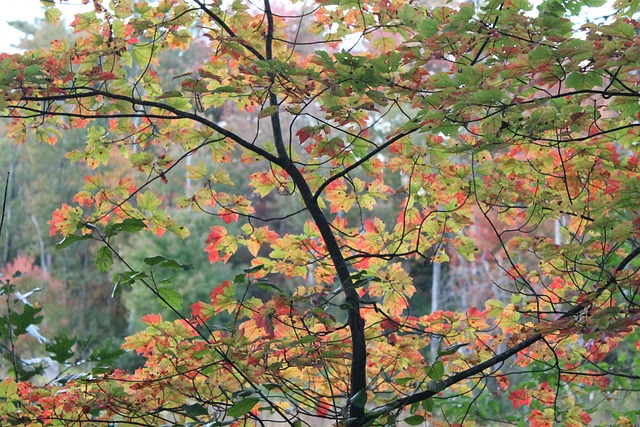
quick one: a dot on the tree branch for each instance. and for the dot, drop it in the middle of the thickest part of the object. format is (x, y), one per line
(178, 114)
(226, 28)
(499, 358)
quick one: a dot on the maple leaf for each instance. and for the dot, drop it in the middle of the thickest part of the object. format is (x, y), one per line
(339, 197)
(65, 220)
(201, 312)
(218, 241)
(503, 382)
(228, 216)
(541, 419)
(152, 319)
(520, 397)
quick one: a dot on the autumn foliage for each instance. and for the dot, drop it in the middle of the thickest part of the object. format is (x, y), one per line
(392, 135)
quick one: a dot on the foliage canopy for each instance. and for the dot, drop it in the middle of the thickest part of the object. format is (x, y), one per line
(393, 135)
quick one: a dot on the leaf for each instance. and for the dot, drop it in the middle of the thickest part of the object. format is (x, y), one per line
(126, 278)
(61, 348)
(103, 259)
(170, 298)
(435, 371)
(171, 94)
(451, 349)
(154, 260)
(428, 404)
(68, 240)
(436, 386)
(52, 15)
(162, 262)
(242, 407)
(171, 264)
(428, 27)
(414, 420)
(253, 269)
(142, 54)
(588, 80)
(268, 111)
(21, 321)
(9, 395)
(359, 400)
(106, 354)
(129, 225)
(271, 386)
(494, 307)
(148, 201)
(195, 409)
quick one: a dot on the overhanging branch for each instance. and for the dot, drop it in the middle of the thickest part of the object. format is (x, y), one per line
(499, 358)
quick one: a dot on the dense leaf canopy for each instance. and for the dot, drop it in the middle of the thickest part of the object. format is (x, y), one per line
(499, 140)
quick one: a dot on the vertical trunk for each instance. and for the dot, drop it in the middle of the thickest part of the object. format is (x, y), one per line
(188, 181)
(43, 259)
(6, 216)
(356, 323)
(435, 297)
(557, 235)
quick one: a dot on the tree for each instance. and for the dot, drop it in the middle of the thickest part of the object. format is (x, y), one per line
(392, 135)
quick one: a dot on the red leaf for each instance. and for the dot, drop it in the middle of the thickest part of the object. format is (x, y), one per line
(304, 134)
(520, 398)
(152, 319)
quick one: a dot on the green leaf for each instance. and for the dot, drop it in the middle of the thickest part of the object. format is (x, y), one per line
(9, 394)
(242, 407)
(451, 349)
(103, 259)
(61, 348)
(271, 386)
(171, 94)
(270, 287)
(359, 400)
(20, 321)
(436, 386)
(195, 409)
(154, 260)
(68, 240)
(377, 96)
(170, 298)
(588, 80)
(428, 404)
(487, 97)
(436, 371)
(128, 277)
(174, 265)
(428, 27)
(268, 111)
(131, 225)
(253, 269)
(243, 393)
(346, 58)
(142, 54)
(52, 15)
(162, 262)
(148, 201)
(414, 420)
(106, 354)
